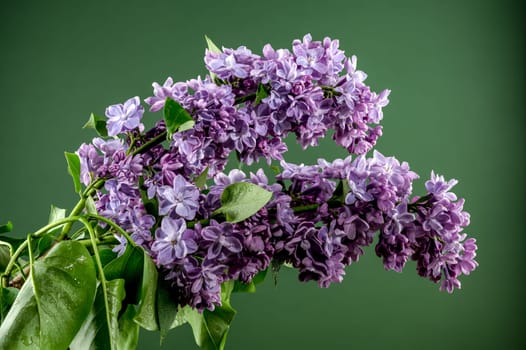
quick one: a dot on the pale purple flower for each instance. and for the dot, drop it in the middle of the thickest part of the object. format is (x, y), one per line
(235, 175)
(121, 247)
(222, 237)
(173, 241)
(177, 92)
(310, 55)
(90, 163)
(440, 187)
(181, 198)
(125, 117)
(230, 63)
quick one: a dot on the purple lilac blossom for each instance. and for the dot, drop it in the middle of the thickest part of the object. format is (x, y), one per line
(180, 198)
(125, 117)
(320, 217)
(298, 101)
(173, 241)
(121, 247)
(221, 238)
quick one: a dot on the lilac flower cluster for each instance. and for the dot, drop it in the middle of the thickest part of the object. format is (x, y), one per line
(353, 198)
(255, 101)
(429, 230)
(199, 258)
(121, 201)
(320, 217)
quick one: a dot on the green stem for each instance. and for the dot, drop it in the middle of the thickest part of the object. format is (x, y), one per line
(298, 209)
(245, 98)
(11, 264)
(114, 225)
(93, 187)
(32, 266)
(191, 224)
(21, 270)
(66, 221)
(110, 239)
(101, 271)
(9, 246)
(14, 257)
(304, 208)
(157, 140)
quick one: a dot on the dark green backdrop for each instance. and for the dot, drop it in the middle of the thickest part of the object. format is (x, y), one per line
(456, 71)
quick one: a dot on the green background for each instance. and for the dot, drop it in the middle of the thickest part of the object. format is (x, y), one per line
(456, 71)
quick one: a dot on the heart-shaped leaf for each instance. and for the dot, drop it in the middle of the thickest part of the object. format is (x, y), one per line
(52, 305)
(241, 200)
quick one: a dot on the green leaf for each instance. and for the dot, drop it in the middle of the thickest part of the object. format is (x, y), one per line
(211, 46)
(52, 305)
(176, 117)
(6, 227)
(340, 192)
(214, 49)
(200, 181)
(106, 256)
(7, 297)
(146, 314)
(74, 169)
(91, 208)
(44, 243)
(98, 124)
(262, 92)
(211, 328)
(157, 308)
(241, 200)
(128, 330)
(128, 266)
(169, 314)
(21, 327)
(241, 287)
(103, 329)
(5, 256)
(14, 242)
(56, 214)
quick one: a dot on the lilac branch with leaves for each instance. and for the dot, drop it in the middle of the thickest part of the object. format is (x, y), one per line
(167, 235)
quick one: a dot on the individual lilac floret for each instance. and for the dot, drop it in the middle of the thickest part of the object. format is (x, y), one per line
(221, 237)
(175, 91)
(439, 187)
(125, 117)
(173, 241)
(311, 56)
(230, 62)
(90, 162)
(121, 247)
(182, 198)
